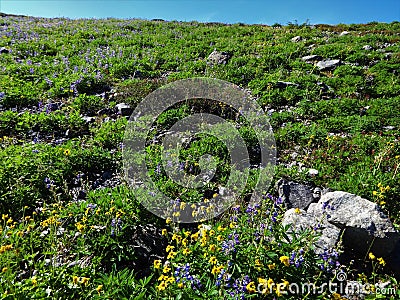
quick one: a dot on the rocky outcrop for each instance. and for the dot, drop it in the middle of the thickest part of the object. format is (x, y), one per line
(361, 224)
(218, 58)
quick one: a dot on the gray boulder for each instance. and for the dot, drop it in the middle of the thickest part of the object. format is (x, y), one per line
(326, 65)
(296, 39)
(366, 227)
(124, 109)
(299, 222)
(4, 50)
(285, 84)
(311, 58)
(297, 195)
(367, 47)
(361, 223)
(218, 58)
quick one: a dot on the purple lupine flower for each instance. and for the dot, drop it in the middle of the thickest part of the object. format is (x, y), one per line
(2, 95)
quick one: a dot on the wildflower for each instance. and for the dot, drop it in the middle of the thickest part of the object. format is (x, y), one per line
(164, 232)
(162, 277)
(168, 220)
(371, 256)
(258, 264)
(166, 269)
(84, 281)
(99, 288)
(232, 225)
(381, 261)
(34, 281)
(176, 238)
(271, 266)
(157, 263)
(297, 210)
(67, 152)
(162, 286)
(375, 193)
(216, 270)
(221, 228)
(170, 279)
(250, 287)
(182, 205)
(180, 285)
(4, 269)
(285, 260)
(169, 248)
(186, 251)
(212, 260)
(171, 255)
(212, 247)
(220, 238)
(195, 236)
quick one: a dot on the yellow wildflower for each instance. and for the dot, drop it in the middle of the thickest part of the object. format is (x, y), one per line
(371, 256)
(164, 231)
(162, 286)
(285, 260)
(157, 263)
(212, 260)
(85, 280)
(381, 261)
(99, 288)
(171, 255)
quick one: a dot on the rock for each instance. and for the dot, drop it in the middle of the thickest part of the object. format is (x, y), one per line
(89, 120)
(367, 47)
(343, 33)
(312, 172)
(4, 50)
(149, 244)
(324, 87)
(366, 227)
(387, 128)
(124, 109)
(311, 58)
(104, 111)
(361, 224)
(218, 58)
(326, 65)
(296, 39)
(284, 84)
(303, 221)
(295, 195)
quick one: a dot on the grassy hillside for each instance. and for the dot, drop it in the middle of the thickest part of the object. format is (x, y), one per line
(68, 221)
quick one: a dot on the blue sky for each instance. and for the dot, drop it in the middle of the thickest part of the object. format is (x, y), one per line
(227, 11)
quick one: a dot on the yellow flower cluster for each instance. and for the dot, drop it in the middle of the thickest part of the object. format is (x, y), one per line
(381, 194)
(380, 260)
(285, 260)
(165, 280)
(80, 280)
(5, 248)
